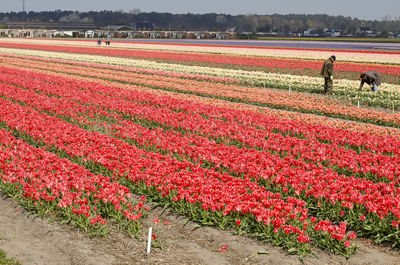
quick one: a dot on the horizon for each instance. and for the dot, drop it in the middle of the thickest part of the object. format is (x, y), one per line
(368, 10)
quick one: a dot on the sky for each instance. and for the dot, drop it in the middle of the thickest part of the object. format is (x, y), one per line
(367, 9)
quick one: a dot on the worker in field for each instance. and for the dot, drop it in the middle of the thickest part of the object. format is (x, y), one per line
(327, 72)
(372, 78)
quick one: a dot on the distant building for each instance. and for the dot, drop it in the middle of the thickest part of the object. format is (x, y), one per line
(89, 34)
(311, 33)
(89, 30)
(363, 30)
(266, 34)
(333, 33)
(119, 28)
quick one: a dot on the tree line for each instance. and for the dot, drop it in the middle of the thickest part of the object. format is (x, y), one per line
(292, 23)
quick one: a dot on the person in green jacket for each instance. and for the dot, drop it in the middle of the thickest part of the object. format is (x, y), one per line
(327, 72)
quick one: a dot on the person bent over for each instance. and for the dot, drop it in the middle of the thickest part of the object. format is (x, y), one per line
(372, 78)
(327, 72)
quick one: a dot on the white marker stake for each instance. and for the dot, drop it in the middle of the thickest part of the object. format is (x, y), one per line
(289, 89)
(358, 104)
(149, 240)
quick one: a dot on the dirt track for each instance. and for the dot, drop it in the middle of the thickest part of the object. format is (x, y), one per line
(35, 241)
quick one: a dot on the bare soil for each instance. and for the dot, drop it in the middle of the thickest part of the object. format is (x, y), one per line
(35, 241)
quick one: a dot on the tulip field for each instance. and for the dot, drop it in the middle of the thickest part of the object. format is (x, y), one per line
(237, 137)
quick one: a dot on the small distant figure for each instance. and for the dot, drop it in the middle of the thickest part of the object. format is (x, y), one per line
(107, 42)
(327, 72)
(372, 78)
(99, 42)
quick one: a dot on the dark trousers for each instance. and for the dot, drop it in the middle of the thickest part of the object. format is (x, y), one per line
(328, 85)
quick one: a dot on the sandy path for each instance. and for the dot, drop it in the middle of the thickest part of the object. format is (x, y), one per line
(35, 241)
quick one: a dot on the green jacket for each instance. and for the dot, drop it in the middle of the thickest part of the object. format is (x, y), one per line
(327, 69)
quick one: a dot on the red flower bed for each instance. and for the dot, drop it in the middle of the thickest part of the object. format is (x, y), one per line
(182, 180)
(312, 180)
(55, 186)
(286, 181)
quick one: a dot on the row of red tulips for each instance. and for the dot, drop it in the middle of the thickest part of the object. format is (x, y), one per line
(254, 163)
(179, 179)
(310, 149)
(355, 197)
(58, 188)
(359, 141)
